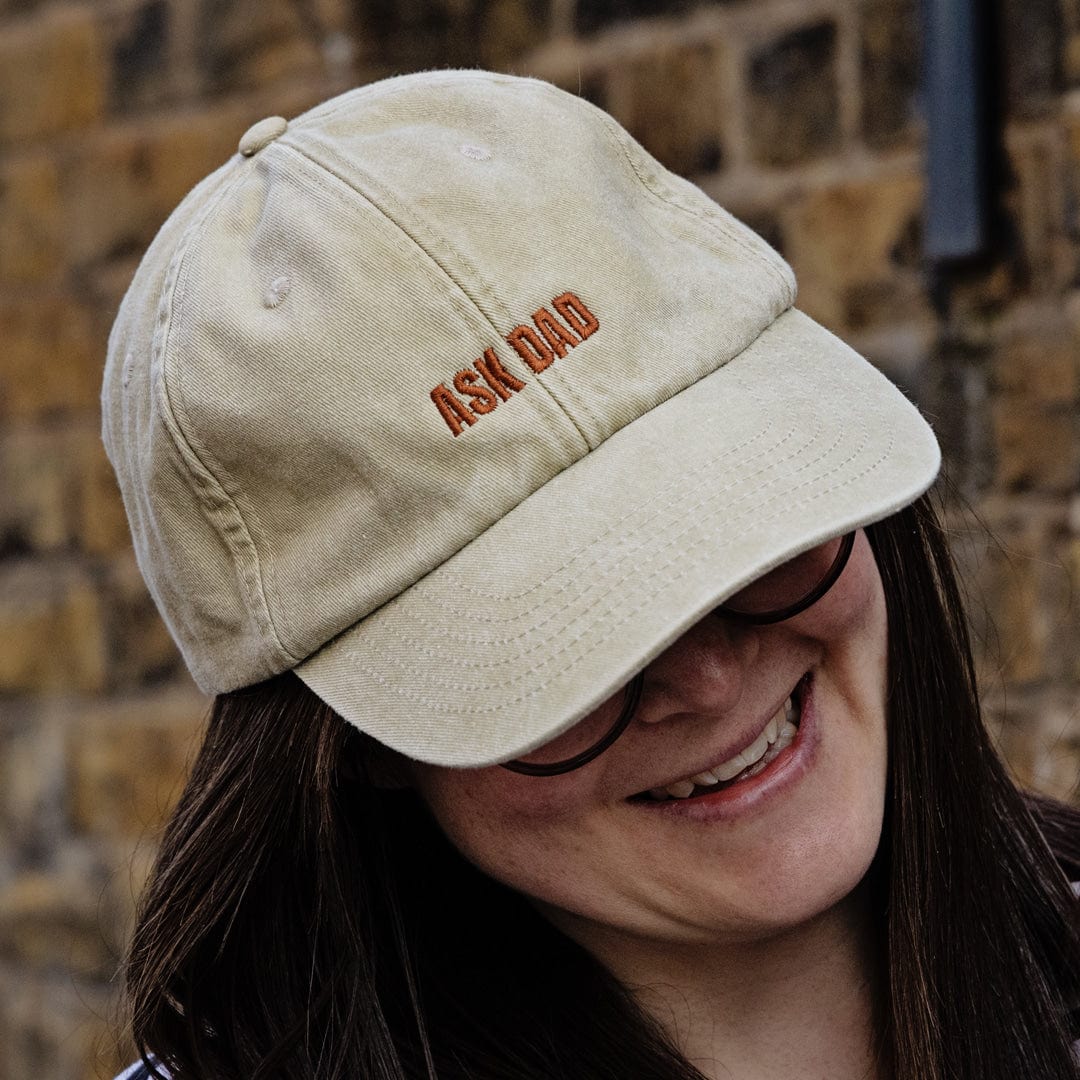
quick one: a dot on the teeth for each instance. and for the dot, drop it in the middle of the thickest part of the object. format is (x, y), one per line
(730, 768)
(680, 789)
(756, 769)
(779, 734)
(787, 735)
(756, 751)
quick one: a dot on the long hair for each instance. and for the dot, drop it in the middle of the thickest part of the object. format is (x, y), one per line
(301, 922)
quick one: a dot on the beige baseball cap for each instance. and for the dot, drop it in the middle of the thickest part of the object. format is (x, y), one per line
(449, 397)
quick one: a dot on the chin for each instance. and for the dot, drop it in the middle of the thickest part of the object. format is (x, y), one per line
(813, 869)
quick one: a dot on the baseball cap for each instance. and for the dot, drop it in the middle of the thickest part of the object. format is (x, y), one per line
(450, 398)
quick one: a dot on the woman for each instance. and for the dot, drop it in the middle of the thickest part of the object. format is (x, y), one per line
(593, 696)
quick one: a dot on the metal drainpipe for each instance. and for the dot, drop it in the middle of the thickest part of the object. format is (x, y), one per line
(954, 105)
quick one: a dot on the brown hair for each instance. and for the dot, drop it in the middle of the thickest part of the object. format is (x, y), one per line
(302, 923)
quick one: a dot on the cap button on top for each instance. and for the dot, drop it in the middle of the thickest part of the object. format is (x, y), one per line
(262, 134)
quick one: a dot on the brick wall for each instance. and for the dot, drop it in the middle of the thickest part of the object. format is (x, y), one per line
(799, 115)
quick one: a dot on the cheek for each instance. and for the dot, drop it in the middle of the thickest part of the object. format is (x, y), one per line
(510, 826)
(859, 654)
(871, 636)
(851, 621)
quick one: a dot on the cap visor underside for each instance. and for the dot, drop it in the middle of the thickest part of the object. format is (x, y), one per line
(544, 615)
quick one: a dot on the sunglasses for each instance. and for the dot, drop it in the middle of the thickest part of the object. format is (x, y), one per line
(780, 594)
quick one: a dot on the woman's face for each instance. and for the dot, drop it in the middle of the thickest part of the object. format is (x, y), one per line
(595, 849)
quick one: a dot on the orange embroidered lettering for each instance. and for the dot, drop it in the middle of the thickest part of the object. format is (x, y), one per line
(491, 383)
(577, 315)
(526, 342)
(483, 399)
(555, 334)
(453, 411)
(496, 376)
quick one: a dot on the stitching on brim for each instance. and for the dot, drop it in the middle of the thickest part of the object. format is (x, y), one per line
(661, 583)
(643, 541)
(688, 479)
(665, 582)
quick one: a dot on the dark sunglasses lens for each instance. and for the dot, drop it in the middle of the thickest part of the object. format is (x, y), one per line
(788, 584)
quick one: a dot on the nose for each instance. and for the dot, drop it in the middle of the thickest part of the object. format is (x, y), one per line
(701, 672)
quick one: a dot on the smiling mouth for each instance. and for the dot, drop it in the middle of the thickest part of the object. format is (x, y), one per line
(779, 733)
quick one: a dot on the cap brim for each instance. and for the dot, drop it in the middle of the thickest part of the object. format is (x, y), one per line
(544, 615)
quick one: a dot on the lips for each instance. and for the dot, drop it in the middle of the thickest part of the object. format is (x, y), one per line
(772, 738)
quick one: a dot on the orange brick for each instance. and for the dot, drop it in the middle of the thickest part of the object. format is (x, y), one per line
(31, 773)
(53, 356)
(142, 41)
(250, 43)
(510, 30)
(1040, 368)
(1036, 202)
(52, 74)
(33, 479)
(1066, 565)
(889, 48)
(59, 491)
(593, 15)
(107, 1050)
(1001, 573)
(52, 629)
(30, 222)
(675, 104)
(1036, 383)
(1071, 58)
(120, 190)
(842, 243)
(793, 105)
(1030, 34)
(1037, 448)
(1014, 743)
(1057, 762)
(58, 1027)
(49, 920)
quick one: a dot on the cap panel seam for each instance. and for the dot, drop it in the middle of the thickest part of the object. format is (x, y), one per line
(714, 223)
(337, 186)
(688, 482)
(214, 496)
(370, 181)
(614, 134)
(389, 196)
(556, 379)
(319, 174)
